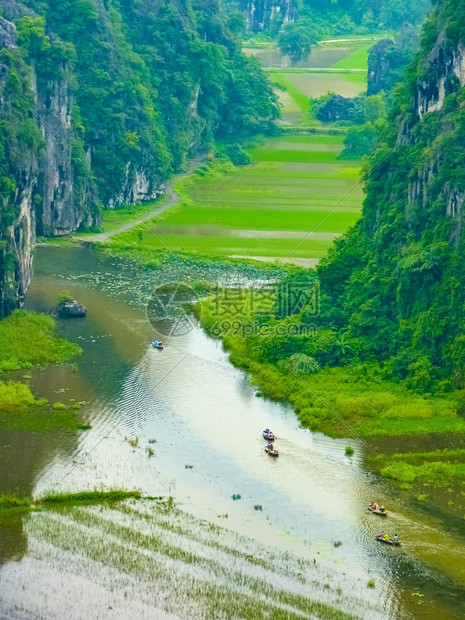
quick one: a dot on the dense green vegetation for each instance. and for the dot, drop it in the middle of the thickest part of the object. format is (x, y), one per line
(137, 72)
(405, 308)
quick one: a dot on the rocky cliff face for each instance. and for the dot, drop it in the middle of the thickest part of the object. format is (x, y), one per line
(17, 233)
(260, 14)
(61, 209)
(43, 198)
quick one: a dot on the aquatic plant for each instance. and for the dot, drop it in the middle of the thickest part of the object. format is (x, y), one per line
(63, 297)
(59, 406)
(96, 496)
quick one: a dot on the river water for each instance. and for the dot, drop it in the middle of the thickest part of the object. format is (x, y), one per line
(203, 419)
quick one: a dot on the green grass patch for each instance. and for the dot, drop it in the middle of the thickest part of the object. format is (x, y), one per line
(292, 155)
(224, 246)
(27, 339)
(316, 70)
(301, 99)
(315, 84)
(437, 468)
(114, 218)
(436, 474)
(21, 411)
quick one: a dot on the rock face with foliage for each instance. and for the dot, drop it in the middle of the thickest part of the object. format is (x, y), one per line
(265, 15)
(330, 17)
(395, 283)
(389, 58)
(100, 101)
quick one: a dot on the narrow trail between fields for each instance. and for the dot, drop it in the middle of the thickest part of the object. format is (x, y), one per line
(169, 199)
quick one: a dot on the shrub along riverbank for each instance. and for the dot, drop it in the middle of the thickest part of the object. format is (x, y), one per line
(27, 340)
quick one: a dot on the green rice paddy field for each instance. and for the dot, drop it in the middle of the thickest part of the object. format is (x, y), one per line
(295, 197)
(295, 184)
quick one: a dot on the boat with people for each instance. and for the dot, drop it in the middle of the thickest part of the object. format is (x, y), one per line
(384, 538)
(157, 344)
(271, 450)
(377, 509)
(268, 435)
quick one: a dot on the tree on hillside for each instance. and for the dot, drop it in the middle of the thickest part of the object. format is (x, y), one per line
(296, 42)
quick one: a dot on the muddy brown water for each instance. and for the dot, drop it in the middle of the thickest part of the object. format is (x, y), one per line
(194, 408)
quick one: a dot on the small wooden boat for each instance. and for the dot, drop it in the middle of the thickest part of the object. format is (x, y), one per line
(271, 451)
(269, 435)
(381, 513)
(388, 541)
(156, 344)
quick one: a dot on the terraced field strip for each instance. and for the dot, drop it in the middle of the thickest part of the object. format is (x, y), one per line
(263, 209)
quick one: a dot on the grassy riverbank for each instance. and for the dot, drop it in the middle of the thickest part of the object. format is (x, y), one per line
(27, 340)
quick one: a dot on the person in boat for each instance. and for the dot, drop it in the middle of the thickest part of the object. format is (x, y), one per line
(381, 534)
(386, 537)
(372, 505)
(270, 446)
(382, 509)
(395, 539)
(155, 343)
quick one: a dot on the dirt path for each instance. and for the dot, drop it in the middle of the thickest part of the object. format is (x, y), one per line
(170, 198)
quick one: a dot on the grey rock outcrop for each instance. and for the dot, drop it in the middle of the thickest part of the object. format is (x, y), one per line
(69, 309)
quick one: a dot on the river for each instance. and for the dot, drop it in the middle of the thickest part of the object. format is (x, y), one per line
(203, 420)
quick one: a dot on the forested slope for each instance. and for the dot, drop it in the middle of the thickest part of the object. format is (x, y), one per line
(395, 282)
(127, 87)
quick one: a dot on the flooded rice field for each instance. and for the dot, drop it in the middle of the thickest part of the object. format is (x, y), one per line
(245, 535)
